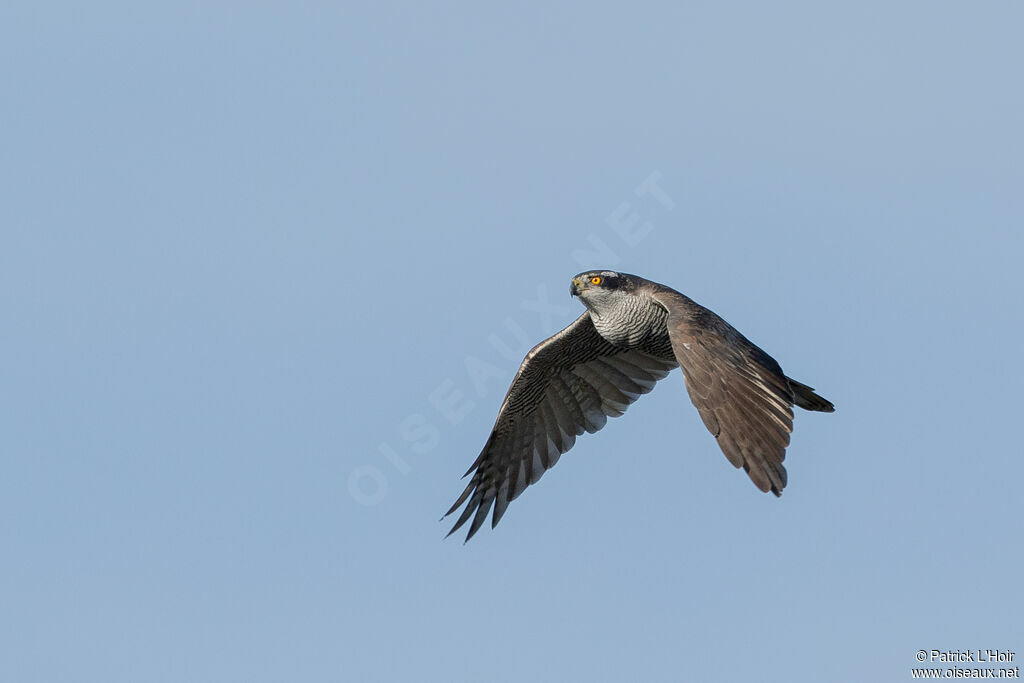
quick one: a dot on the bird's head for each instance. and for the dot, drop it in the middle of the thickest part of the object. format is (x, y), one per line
(600, 288)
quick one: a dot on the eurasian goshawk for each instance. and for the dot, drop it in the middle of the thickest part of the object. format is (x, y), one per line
(633, 333)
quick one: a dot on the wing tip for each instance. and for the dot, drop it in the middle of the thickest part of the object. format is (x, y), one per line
(805, 397)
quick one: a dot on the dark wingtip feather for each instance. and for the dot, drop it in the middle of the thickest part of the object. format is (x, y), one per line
(479, 518)
(462, 498)
(464, 517)
(805, 397)
(455, 528)
(500, 505)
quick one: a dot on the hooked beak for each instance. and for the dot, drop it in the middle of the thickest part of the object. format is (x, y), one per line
(574, 287)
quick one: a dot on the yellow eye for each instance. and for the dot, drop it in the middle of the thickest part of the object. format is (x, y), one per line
(596, 280)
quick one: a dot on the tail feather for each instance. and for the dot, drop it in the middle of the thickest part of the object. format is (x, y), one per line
(805, 397)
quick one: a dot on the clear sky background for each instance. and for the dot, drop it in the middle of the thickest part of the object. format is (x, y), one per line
(254, 255)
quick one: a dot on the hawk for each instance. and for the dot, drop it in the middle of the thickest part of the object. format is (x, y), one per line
(632, 334)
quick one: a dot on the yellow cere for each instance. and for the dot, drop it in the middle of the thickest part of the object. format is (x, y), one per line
(596, 280)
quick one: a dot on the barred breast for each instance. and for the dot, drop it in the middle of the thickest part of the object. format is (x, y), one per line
(637, 323)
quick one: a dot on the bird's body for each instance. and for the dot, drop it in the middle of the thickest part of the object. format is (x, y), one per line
(638, 319)
(633, 333)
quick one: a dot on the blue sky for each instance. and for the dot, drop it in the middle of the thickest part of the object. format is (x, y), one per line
(267, 270)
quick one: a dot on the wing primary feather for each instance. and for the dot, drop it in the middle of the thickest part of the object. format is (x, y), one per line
(478, 519)
(524, 449)
(462, 499)
(555, 433)
(520, 480)
(540, 445)
(464, 517)
(500, 504)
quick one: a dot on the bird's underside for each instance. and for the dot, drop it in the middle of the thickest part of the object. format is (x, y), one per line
(633, 333)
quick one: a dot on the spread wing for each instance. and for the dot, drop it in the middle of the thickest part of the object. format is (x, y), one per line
(566, 385)
(742, 395)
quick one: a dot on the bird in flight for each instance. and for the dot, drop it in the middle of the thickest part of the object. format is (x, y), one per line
(632, 334)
